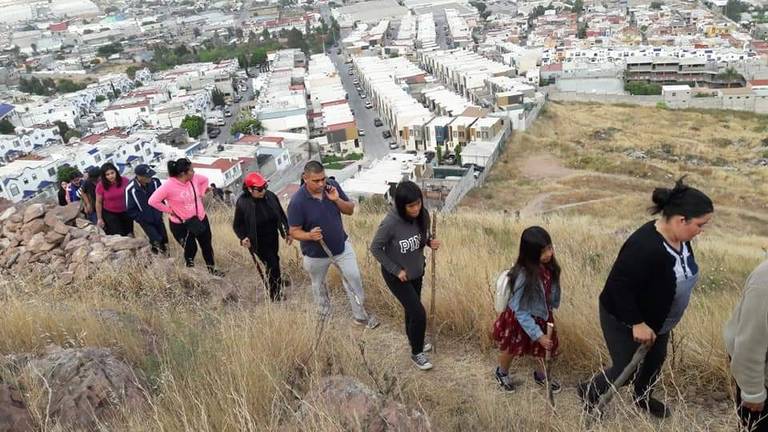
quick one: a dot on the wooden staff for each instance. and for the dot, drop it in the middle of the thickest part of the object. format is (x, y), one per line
(434, 287)
(548, 366)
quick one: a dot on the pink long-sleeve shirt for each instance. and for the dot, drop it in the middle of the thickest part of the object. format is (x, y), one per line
(178, 200)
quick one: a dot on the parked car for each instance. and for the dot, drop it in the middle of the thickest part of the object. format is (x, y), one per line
(213, 133)
(227, 112)
(393, 146)
(338, 51)
(237, 98)
(351, 73)
(361, 132)
(359, 89)
(377, 122)
(363, 96)
(386, 134)
(356, 81)
(449, 159)
(368, 105)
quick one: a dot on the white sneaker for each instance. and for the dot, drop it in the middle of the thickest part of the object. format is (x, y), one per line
(421, 361)
(427, 347)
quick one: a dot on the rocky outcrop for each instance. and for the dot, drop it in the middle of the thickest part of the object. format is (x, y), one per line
(54, 239)
(359, 408)
(14, 416)
(80, 386)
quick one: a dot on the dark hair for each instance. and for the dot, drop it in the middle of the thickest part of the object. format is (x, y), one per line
(106, 167)
(178, 167)
(681, 200)
(313, 167)
(532, 242)
(74, 175)
(408, 192)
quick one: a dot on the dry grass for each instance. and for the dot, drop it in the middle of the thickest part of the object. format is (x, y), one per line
(246, 367)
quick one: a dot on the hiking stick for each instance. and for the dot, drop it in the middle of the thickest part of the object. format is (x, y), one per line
(628, 371)
(548, 366)
(261, 273)
(328, 252)
(434, 287)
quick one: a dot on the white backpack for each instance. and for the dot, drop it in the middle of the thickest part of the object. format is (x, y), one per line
(503, 291)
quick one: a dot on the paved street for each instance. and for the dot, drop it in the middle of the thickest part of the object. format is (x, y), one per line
(374, 145)
(442, 34)
(225, 136)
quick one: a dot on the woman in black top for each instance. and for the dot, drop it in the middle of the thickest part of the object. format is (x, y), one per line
(648, 290)
(259, 218)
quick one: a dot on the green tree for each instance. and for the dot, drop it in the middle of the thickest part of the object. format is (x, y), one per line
(266, 35)
(194, 125)
(63, 128)
(131, 71)
(100, 98)
(71, 134)
(734, 9)
(6, 127)
(69, 86)
(247, 126)
(297, 40)
(480, 6)
(578, 6)
(242, 61)
(656, 5)
(581, 32)
(457, 152)
(439, 154)
(217, 97)
(108, 50)
(66, 173)
(730, 75)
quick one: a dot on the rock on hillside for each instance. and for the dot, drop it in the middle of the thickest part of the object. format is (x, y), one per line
(79, 386)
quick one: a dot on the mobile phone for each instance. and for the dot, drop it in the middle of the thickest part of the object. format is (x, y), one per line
(328, 188)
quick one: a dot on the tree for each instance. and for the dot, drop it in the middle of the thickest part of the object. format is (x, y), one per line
(194, 125)
(734, 9)
(297, 40)
(108, 50)
(259, 57)
(242, 61)
(730, 75)
(578, 6)
(63, 128)
(247, 126)
(252, 37)
(480, 6)
(457, 152)
(439, 154)
(581, 33)
(217, 97)
(656, 5)
(266, 35)
(131, 71)
(6, 127)
(66, 173)
(100, 98)
(69, 86)
(196, 32)
(71, 134)
(239, 33)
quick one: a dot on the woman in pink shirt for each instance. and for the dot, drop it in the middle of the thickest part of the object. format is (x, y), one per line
(181, 196)
(110, 202)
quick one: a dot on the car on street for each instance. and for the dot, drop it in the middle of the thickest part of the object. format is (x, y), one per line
(386, 134)
(227, 112)
(449, 159)
(361, 132)
(393, 146)
(359, 89)
(213, 132)
(237, 98)
(356, 81)
(338, 51)
(351, 73)
(377, 122)
(363, 96)
(368, 105)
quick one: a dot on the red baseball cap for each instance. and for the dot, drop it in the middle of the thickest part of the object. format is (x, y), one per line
(254, 179)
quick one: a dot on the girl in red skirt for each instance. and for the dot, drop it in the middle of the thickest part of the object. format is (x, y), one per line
(521, 330)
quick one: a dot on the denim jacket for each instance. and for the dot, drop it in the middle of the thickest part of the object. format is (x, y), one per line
(536, 306)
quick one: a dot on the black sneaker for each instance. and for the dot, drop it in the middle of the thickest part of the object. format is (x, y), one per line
(505, 381)
(421, 361)
(216, 272)
(588, 403)
(654, 407)
(541, 380)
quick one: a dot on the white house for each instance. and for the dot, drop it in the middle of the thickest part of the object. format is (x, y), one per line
(221, 172)
(125, 113)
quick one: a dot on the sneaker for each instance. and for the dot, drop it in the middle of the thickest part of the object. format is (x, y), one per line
(427, 347)
(421, 361)
(216, 272)
(370, 323)
(541, 380)
(505, 381)
(654, 407)
(588, 401)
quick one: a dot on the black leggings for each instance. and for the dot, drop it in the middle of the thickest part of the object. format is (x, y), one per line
(274, 281)
(622, 346)
(189, 242)
(409, 295)
(117, 223)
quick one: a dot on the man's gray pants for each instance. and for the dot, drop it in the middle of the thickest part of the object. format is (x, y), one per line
(352, 281)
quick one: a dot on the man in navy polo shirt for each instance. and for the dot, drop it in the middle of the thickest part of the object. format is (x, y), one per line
(314, 214)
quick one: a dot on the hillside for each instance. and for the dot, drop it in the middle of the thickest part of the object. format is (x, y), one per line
(247, 366)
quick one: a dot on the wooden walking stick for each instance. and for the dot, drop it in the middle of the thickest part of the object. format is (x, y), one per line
(434, 287)
(628, 371)
(548, 367)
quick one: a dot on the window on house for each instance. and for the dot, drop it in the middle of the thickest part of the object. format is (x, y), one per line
(25, 181)
(14, 190)
(51, 172)
(136, 147)
(148, 151)
(97, 158)
(34, 177)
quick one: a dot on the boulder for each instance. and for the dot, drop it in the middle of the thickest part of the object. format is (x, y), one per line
(61, 228)
(6, 215)
(76, 243)
(14, 415)
(5, 243)
(99, 255)
(54, 237)
(38, 243)
(64, 214)
(85, 384)
(80, 255)
(16, 218)
(78, 233)
(35, 226)
(82, 223)
(33, 211)
(119, 243)
(360, 408)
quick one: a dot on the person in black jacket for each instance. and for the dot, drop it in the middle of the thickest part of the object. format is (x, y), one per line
(259, 218)
(647, 292)
(150, 219)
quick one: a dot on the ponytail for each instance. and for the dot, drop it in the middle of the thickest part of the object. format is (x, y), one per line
(681, 200)
(178, 167)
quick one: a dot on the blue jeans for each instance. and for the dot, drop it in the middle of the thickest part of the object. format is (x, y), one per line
(158, 237)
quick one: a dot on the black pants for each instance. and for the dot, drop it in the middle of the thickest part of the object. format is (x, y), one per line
(189, 242)
(409, 295)
(757, 422)
(622, 347)
(117, 223)
(158, 237)
(274, 279)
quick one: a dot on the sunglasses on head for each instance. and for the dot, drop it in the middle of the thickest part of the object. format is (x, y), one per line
(259, 188)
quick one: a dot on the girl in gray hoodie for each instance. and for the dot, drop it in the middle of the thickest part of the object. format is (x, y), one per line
(399, 247)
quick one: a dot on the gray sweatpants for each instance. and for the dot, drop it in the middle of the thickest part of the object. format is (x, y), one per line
(353, 283)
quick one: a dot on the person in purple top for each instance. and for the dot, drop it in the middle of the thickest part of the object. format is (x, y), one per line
(314, 216)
